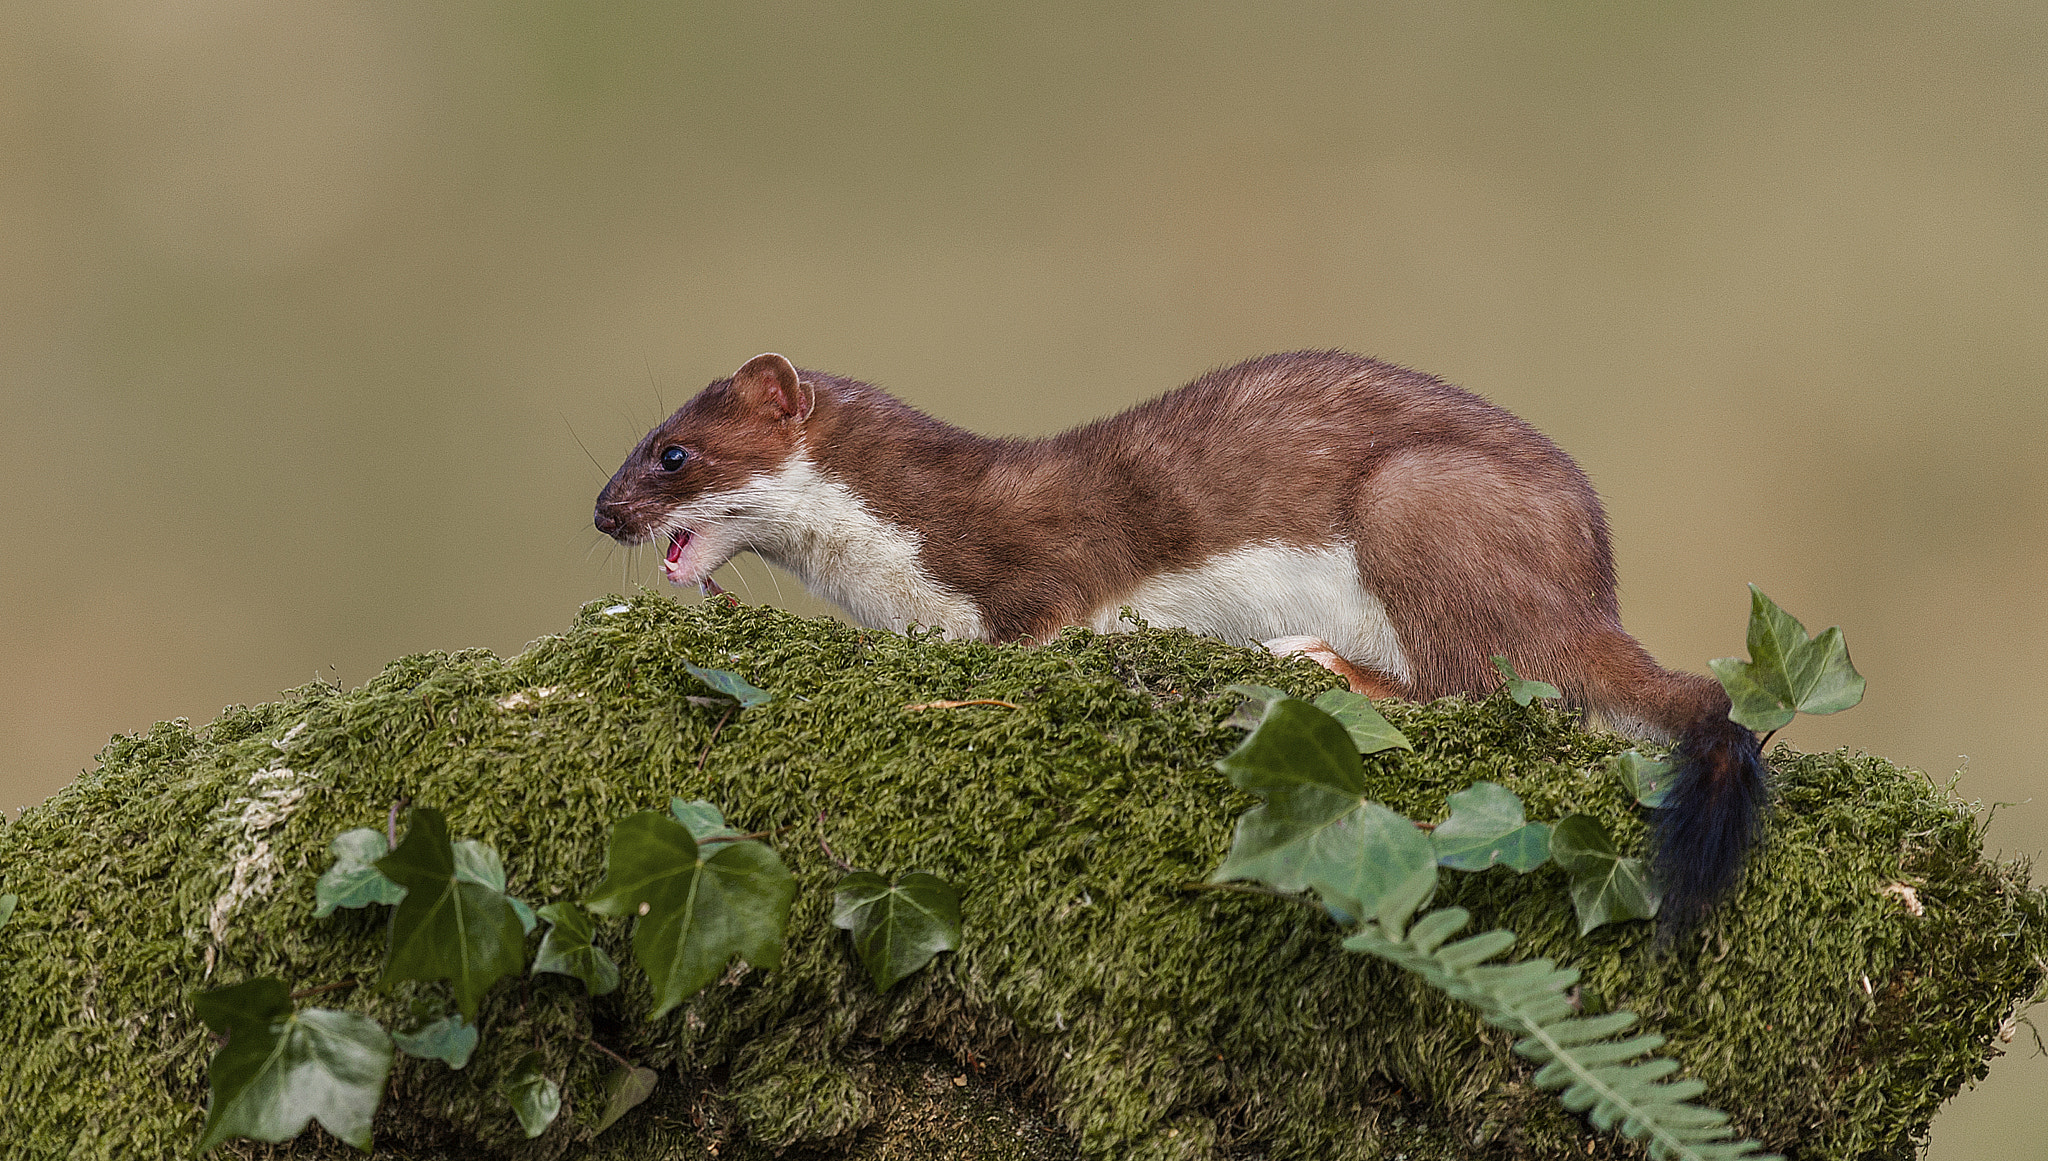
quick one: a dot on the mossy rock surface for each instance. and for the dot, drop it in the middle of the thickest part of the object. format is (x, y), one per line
(1096, 1009)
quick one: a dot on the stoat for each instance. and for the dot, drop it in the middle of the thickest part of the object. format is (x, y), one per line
(1397, 528)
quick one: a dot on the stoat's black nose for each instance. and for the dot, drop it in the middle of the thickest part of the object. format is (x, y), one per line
(607, 523)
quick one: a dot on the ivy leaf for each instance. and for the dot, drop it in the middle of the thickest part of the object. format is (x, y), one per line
(448, 926)
(696, 912)
(1257, 698)
(1788, 672)
(354, 880)
(566, 949)
(1303, 764)
(1369, 731)
(897, 929)
(479, 863)
(1647, 780)
(534, 1097)
(448, 1039)
(1315, 829)
(7, 904)
(623, 1089)
(1296, 747)
(1749, 703)
(1523, 691)
(1354, 711)
(731, 684)
(1378, 865)
(527, 919)
(280, 1068)
(1606, 887)
(703, 819)
(1487, 827)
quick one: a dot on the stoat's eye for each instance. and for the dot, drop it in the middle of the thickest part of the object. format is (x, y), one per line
(673, 458)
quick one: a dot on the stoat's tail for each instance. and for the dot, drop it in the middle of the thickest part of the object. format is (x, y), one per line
(1713, 813)
(1712, 817)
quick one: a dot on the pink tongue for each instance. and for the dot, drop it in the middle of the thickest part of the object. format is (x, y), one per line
(675, 546)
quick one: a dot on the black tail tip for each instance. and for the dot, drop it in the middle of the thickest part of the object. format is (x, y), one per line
(1709, 822)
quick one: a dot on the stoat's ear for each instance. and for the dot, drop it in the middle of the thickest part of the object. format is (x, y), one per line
(769, 383)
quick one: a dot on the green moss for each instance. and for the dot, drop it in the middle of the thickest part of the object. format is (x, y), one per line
(801, 1102)
(1147, 1021)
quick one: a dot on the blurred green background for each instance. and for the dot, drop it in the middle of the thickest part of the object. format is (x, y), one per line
(306, 308)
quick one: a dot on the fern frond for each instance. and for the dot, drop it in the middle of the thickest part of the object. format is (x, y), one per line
(1578, 1054)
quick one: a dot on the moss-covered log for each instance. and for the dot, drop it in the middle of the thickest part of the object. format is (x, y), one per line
(1096, 1008)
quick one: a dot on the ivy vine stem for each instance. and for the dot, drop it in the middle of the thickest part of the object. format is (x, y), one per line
(741, 838)
(713, 740)
(623, 1062)
(845, 868)
(391, 820)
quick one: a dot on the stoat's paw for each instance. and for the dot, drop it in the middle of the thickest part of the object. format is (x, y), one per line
(1314, 648)
(1361, 680)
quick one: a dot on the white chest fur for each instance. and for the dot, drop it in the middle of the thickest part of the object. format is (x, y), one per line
(819, 529)
(1267, 590)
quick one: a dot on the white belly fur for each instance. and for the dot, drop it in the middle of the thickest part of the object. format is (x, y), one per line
(1267, 590)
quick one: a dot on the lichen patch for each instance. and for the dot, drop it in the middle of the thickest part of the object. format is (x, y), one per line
(244, 823)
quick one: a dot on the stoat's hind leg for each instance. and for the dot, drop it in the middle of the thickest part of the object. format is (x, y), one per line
(1362, 680)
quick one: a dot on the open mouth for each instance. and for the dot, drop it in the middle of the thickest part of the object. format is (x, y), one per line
(679, 573)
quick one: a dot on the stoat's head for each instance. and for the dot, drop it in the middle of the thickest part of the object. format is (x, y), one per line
(688, 482)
